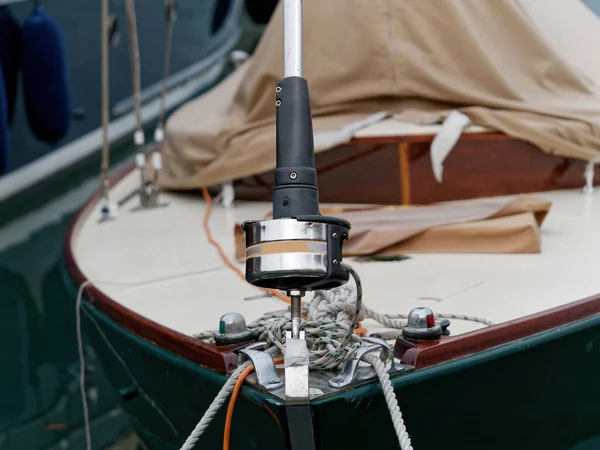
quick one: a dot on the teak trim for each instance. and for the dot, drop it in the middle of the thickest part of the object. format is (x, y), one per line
(425, 355)
(404, 157)
(223, 359)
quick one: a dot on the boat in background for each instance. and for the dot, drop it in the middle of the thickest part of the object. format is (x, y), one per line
(481, 314)
(594, 5)
(204, 34)
(509, 117)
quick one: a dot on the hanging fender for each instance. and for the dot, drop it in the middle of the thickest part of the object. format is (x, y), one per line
(45, 77)
(10, 57)
(221, 10)
(4, 144)
(260, 11)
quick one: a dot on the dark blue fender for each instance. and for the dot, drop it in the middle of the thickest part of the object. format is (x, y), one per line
(45, 77)
(4, 144)
(10, 57)
(260, 11)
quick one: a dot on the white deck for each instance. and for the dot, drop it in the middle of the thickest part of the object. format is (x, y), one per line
(160, 264)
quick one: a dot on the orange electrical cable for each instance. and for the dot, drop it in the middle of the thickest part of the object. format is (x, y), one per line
(279, 295)
(234, 394)
(224, 257)
(360, 330)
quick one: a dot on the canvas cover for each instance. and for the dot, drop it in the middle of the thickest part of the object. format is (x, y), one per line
(492, 225)
(529, 68)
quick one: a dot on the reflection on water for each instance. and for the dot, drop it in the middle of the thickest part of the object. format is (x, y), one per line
(40, 403)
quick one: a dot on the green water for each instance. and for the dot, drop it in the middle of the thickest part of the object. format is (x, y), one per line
(40, 400)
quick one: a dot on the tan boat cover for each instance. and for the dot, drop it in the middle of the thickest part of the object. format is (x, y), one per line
(493, 225)
(529, 68)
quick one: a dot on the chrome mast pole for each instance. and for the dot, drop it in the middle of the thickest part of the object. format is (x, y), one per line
(292, 38)
(296, 217)
(292, 67)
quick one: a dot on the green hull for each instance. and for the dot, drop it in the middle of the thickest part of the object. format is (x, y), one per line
(542, 392)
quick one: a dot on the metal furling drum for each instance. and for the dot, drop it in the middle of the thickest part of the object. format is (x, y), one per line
(299, 249)
(296, 253)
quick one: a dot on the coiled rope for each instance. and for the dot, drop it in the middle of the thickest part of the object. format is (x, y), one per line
(330, 335)
(338, 304)
(330, 328)
(329, 342)
(332, 319)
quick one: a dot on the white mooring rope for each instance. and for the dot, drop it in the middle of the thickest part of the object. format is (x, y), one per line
(214, 407)
(332, 319)
(80, 351)
(338, 304)
(391, 400)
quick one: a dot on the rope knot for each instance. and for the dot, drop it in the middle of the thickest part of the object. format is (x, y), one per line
(336, 304)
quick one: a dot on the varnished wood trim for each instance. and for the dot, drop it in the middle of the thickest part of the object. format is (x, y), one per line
(404, 157)
(321, 170)
(424, 138)
(480, 165)
(425, 355)
(221, 359)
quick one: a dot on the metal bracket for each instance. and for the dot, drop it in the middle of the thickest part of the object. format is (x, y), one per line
(297, 392)
(149, 189)
(296, 369)
(149, 197)
(351, 372)
(263, 366)
(254, 346)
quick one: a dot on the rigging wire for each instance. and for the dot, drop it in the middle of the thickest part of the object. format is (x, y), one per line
(171, 17)
(105, 163)
(135, 69)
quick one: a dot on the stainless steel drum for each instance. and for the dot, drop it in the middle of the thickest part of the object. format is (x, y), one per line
(291, 254)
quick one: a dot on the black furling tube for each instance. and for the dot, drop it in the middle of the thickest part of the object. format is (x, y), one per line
(295, 192)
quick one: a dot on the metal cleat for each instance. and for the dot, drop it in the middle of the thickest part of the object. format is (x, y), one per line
(351, 372)
(263, 366)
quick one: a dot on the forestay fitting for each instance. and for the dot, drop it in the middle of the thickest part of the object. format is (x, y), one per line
(299, 249)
